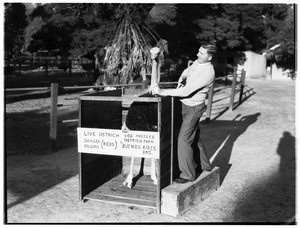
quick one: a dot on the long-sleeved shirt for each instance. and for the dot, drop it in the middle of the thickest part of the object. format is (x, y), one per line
(199, 78)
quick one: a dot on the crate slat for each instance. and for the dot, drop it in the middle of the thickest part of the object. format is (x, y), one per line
(142, 194)
(113, 199)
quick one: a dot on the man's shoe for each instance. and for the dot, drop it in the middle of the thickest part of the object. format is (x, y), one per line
(181, 180)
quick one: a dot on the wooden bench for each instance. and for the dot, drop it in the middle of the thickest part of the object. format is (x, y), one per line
(178, 198)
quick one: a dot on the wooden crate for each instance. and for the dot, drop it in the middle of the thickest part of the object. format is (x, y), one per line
(101, 177)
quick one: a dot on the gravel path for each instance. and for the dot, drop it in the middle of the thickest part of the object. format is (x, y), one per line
(257, 162)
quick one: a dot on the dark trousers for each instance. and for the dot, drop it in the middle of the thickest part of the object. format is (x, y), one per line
(186, 137)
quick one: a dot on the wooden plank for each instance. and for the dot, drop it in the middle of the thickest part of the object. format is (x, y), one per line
(231, 104)
(53, 116)
(173, 133)
(125, 192)
(242, 86)
(134, 91)
(98, 98)
(142, 194)
(178, 198)
(165, 153)
(209, 102)
(166, 126)
(158, 195)
(113, 199)
(165, 141)
(166, 179)
(166, 166)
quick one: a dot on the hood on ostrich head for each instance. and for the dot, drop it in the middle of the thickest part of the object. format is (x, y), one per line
(154, 52)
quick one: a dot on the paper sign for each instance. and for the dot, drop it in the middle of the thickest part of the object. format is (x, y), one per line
(116, 142)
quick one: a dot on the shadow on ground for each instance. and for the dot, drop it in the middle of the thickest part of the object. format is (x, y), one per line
(278, 193)
(34, 182)
(219, 137)
(27, 133)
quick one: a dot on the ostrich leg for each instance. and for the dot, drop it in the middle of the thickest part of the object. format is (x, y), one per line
(154, 83)
(153, 173)
(154, 72)
(129, 178)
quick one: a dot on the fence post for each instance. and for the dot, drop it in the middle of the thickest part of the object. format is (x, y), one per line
(70, 67)
(209, 102)
(53, 116)
(233, 90)
(20, 65)
(242, 85)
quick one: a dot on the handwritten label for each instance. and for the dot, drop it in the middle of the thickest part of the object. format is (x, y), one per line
(115, 142)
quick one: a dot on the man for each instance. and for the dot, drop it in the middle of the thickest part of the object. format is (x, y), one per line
(198, 78)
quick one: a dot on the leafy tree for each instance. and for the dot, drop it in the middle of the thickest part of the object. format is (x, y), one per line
(33, 26)
(229, 26)
(280, 30)
(14, 25)
(95, 28)
(286, 52)
(84, 29)
(50, 30)
(52, 37)
(233, 28)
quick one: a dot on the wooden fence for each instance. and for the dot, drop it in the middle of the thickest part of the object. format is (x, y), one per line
(46, 62)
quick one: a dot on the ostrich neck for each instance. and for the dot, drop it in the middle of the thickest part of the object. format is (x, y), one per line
(154, 73)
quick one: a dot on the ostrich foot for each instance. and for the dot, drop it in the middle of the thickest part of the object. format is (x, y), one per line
(154, 178)
(128, 181)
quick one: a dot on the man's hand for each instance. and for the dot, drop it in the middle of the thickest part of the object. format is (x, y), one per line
(181, 84)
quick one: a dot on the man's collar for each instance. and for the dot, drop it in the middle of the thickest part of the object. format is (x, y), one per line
(202, 64)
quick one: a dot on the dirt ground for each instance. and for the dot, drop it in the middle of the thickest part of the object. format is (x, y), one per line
(256, 156)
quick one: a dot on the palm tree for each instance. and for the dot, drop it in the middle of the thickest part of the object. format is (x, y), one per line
(128, 56)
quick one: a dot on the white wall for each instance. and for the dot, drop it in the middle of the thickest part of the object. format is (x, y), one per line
(255, 65)
(278, 73)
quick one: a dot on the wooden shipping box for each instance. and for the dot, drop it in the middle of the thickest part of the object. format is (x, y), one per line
(101, 176)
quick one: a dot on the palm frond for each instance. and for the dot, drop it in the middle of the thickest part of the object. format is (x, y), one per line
(128, 55)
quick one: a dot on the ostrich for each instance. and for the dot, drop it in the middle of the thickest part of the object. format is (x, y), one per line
(146, 120)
